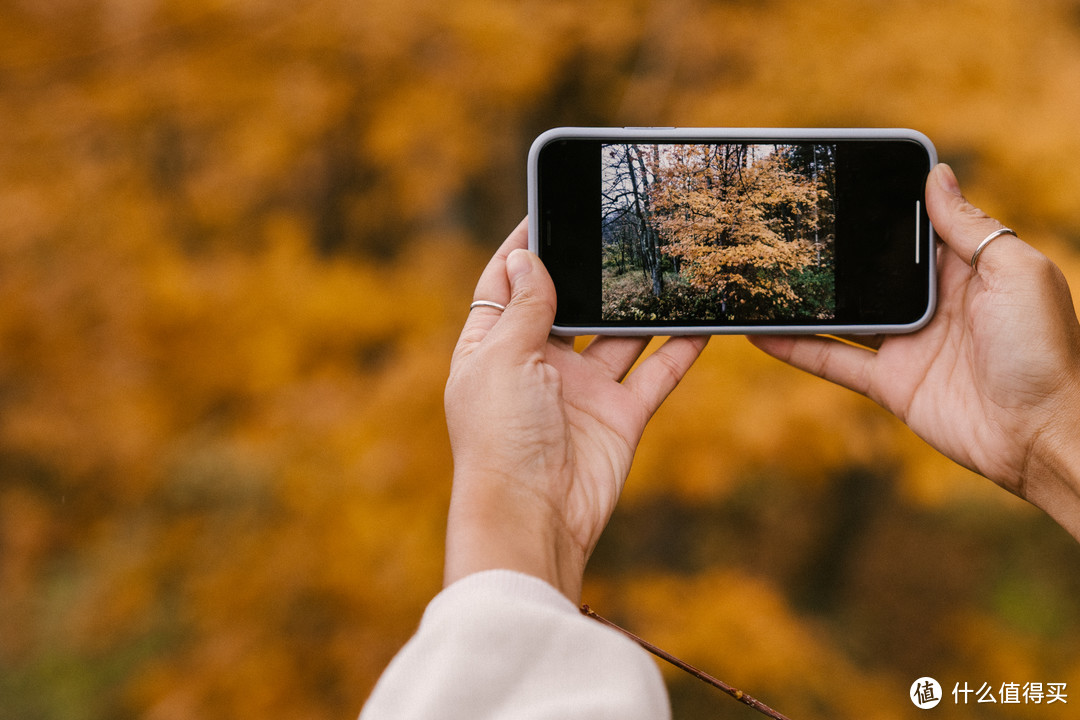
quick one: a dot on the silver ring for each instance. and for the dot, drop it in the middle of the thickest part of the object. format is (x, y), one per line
(987, 240)
(487, 303)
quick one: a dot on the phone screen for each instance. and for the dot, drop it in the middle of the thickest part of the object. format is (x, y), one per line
(770, 234)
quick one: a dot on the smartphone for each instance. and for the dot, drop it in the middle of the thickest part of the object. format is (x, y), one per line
(669, 231)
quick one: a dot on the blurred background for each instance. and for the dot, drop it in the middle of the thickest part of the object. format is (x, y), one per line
(238, 239)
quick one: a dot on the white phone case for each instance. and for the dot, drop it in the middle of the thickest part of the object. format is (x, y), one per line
(734, 135)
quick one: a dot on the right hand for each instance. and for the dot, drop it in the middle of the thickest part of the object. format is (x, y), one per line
(993, 381)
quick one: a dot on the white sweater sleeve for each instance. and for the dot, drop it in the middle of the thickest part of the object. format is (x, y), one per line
(500, 644)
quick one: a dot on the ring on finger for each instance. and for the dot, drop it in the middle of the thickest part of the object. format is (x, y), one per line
(487, 303)
(986, 241)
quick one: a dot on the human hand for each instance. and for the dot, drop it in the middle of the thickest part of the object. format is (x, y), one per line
(542, 436)
(993, 381)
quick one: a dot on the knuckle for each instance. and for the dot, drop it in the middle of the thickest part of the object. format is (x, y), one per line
(531, 298)
(973, 213)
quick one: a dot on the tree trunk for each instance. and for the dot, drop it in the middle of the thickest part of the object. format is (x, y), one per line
(650, 243)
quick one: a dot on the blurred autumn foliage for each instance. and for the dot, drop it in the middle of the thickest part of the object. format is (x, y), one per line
(237, 240)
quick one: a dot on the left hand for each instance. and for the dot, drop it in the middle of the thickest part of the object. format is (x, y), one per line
(542, 436)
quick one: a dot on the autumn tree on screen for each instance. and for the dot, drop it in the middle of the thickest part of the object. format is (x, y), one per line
(741, 231)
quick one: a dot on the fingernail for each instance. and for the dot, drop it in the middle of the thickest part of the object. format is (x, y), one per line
(518, 264)
(948, 180)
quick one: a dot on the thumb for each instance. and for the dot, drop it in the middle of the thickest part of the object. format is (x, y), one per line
(526, 322)
(961, 225)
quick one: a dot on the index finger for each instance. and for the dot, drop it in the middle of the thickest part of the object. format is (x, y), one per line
(658, 374)
(838, 362)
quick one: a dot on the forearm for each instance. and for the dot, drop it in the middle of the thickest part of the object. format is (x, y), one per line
(493, 525)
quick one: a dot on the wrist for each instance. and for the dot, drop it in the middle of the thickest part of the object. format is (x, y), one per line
(493, 524)
(1052, 476)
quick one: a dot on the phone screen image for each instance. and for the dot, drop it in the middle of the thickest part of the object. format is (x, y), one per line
(671, 234)
(731, 233)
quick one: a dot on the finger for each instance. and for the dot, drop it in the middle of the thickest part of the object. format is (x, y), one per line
(838, 362)
(658, 374)
(873, 342)
(526, 323)
(493, 286)
(614, 356)
(961, 225)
